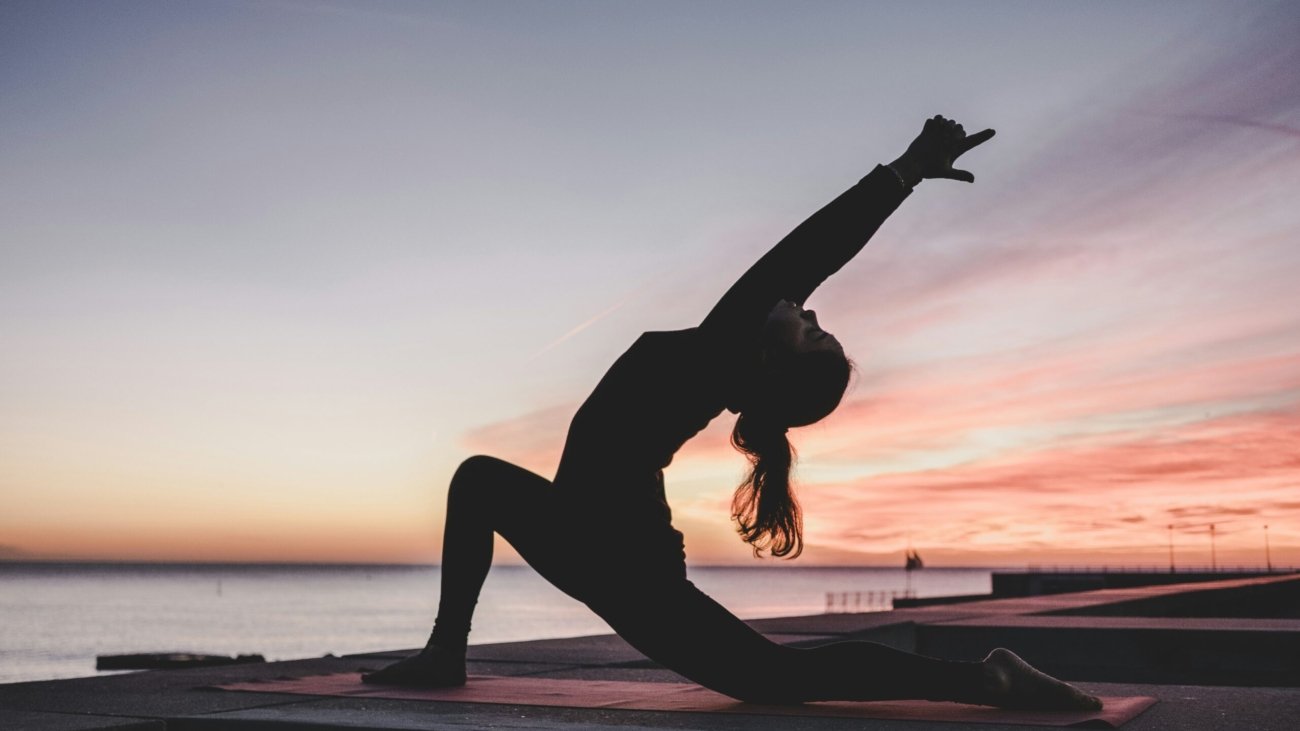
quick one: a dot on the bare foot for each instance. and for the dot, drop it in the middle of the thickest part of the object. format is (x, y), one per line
(432, 667)
(1014, 683)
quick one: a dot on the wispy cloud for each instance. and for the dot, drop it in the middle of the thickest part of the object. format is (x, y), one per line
(580, 327)
(532, 440)
(632, 296)
(1111, 493)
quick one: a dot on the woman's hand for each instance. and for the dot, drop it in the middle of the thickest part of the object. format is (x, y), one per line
(932, 153)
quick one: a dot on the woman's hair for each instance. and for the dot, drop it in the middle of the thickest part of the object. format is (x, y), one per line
(800, 390)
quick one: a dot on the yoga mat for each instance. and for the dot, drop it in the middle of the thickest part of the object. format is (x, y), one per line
(531, 691)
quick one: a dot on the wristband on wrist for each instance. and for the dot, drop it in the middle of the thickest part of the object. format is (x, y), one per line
(898, 175)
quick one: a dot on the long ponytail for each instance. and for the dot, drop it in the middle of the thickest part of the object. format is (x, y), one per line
(764, 507)
(793, 391)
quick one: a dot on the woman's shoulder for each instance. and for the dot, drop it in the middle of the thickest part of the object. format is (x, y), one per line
(694, 350)
(691, 338)
(687, 333)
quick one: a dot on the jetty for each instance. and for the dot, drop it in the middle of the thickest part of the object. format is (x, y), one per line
(1213, 654)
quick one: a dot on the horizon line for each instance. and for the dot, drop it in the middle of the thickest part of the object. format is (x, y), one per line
(1026, 568)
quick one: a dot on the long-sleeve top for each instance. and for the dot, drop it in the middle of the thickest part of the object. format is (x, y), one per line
(670, 384)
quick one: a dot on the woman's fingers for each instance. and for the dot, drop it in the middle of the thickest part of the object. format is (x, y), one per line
(954, 174)
(978, 138)
(963, 146)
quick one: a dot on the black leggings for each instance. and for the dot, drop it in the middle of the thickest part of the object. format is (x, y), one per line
(667, 619)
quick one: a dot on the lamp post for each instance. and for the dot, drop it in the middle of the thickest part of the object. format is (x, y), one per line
(1171, 548)
(1268, 558)
(1214, 563)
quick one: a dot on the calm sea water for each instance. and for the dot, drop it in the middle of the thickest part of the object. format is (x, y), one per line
(55, 618)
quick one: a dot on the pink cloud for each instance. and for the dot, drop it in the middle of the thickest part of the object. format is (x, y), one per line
(1117, 493)
(532, 440)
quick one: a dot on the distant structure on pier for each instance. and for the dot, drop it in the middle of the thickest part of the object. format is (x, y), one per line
(913, 561)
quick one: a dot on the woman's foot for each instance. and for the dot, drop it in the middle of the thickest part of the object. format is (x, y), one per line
(432, 667)
(1013, 683)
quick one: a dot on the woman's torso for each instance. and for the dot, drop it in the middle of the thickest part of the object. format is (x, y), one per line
(661, 392)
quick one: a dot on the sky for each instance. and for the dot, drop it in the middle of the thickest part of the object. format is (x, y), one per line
(270, 270)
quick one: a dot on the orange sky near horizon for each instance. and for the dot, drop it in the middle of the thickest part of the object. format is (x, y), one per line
(260, 312)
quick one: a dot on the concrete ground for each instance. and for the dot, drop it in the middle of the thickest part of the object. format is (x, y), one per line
(1208, 672)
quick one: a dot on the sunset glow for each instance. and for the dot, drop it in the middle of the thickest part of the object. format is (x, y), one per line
(270, 271)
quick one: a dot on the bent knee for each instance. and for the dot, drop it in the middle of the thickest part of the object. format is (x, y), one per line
(477, 465)
(472, 473)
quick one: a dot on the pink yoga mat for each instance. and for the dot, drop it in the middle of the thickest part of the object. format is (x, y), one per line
(531, 691)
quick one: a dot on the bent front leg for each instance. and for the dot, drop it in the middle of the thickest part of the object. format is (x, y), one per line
(487, 495)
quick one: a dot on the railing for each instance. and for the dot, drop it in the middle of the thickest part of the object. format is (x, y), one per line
(1150, 569)
(880, 600)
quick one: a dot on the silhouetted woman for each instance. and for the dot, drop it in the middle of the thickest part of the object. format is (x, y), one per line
(602, 531)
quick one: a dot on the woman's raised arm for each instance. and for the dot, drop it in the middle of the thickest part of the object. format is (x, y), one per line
(831, 237)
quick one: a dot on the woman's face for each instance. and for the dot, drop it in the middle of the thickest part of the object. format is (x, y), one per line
(792, 330)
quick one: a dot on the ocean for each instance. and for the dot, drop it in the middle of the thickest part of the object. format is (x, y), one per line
(55, 618)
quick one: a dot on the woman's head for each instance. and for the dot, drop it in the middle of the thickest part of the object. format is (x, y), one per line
(804, 371)
(803, 376)
(792, 329)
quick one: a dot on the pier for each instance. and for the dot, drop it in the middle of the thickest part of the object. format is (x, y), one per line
(1037, 581)
(1220, 654)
